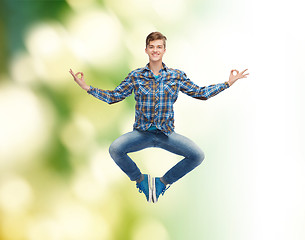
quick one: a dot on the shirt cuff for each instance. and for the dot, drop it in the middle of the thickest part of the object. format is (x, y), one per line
(90, 89)
(227, 84)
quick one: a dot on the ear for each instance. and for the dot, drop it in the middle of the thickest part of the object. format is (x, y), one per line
(146, 50)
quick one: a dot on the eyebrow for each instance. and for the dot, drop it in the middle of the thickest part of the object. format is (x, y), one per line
(156, 45)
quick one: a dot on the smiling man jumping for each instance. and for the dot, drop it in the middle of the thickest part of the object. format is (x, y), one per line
(156, 89)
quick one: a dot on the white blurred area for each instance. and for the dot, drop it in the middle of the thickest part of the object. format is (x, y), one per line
(253, 135)
(152, 226)
(10, 185)
(25, 125)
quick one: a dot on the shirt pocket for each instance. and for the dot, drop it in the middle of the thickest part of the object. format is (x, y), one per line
(143, 88)
(170, 88)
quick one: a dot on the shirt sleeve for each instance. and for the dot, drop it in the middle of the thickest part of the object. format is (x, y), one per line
(202, 93)
(113, 96)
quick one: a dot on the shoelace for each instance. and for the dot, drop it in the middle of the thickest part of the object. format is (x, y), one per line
(138, 186)
(167, 187)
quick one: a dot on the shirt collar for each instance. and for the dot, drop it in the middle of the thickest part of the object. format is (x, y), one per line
(146, 68)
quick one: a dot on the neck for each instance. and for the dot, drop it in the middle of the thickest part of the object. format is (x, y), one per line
(155, 67)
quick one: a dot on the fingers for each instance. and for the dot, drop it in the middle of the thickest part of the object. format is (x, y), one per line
(71, 72)
(244, 75)
(233, 77)
(76, 77)
(244, 71)
(233, 72)
(81, 75)
(239, 74)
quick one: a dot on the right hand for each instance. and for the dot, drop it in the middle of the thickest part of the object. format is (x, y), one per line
(80, 80)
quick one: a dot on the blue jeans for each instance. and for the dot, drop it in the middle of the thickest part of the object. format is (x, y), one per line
(138, 140)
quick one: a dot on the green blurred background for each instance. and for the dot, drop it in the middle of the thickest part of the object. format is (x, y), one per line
(57, 180)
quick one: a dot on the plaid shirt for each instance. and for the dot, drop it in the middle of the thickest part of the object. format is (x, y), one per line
(155, 97)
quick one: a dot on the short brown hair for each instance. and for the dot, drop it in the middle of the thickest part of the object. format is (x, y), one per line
(155, 36)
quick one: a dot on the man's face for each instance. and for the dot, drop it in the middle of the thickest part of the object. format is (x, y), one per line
(155, 50)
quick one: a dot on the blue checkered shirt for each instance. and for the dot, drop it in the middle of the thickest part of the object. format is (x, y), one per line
(155, 97)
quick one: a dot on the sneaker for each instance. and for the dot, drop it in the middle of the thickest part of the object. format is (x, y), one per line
(158, 188)
(145, 187)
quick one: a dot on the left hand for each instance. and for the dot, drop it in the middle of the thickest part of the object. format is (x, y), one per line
(80, 80)
(234, 77)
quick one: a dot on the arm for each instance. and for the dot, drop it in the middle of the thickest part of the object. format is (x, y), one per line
(118, 94)
(204, 93)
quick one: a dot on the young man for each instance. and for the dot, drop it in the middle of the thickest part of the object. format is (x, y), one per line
(155, 89)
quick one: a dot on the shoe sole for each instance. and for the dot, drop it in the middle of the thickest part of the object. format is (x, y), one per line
(154, 197)
(150, 198)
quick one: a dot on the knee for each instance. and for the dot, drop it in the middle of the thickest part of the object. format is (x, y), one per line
(115, 150)
(198, 157)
